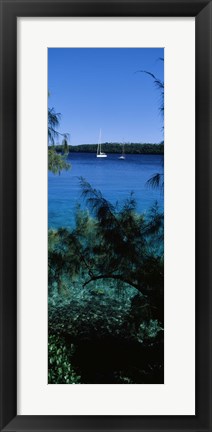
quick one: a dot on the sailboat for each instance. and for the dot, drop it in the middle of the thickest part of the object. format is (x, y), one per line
(99, 152)
(123, 154)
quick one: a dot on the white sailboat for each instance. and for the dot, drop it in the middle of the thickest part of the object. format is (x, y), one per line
(123, 154)
(99, 152)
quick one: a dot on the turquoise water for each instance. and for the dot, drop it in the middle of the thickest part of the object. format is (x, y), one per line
(114, 177)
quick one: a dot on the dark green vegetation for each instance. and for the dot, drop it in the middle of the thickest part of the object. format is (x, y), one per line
(106, 295)
(157, 180)
(129, 148)
(56, 162)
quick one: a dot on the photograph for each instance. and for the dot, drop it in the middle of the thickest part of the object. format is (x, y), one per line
(106, 215)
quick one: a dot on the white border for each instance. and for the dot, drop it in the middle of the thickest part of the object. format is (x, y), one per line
(177, 395)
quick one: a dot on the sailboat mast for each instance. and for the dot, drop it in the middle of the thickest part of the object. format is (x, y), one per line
(99, 144)
(100, 140)
(100, 154)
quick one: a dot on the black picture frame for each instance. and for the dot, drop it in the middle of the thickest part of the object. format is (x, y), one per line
(10, 10)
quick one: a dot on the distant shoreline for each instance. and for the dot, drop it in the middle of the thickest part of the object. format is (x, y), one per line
(132, 148)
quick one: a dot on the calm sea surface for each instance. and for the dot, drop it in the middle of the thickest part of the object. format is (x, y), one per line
(114, 177)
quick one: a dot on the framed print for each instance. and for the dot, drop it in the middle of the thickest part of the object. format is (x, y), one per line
(105, 229)
(93, 289)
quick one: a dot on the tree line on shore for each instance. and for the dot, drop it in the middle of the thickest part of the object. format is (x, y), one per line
(129, 148)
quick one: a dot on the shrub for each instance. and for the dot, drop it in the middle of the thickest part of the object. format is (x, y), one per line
(60, 370)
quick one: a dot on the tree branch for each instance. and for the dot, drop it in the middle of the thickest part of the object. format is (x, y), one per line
(116, 277)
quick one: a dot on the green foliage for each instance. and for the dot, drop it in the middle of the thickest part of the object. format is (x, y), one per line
(53, 124)
(111, 335)
(60, 370)
(159, 84)
(106, 290)
(116, 244)
(57, 162)
(156, 181)
(129, 148)
(149, 330)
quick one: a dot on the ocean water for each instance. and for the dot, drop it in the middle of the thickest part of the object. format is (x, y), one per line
(114, 177)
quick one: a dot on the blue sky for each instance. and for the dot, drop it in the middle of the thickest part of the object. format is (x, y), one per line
(97, 88)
